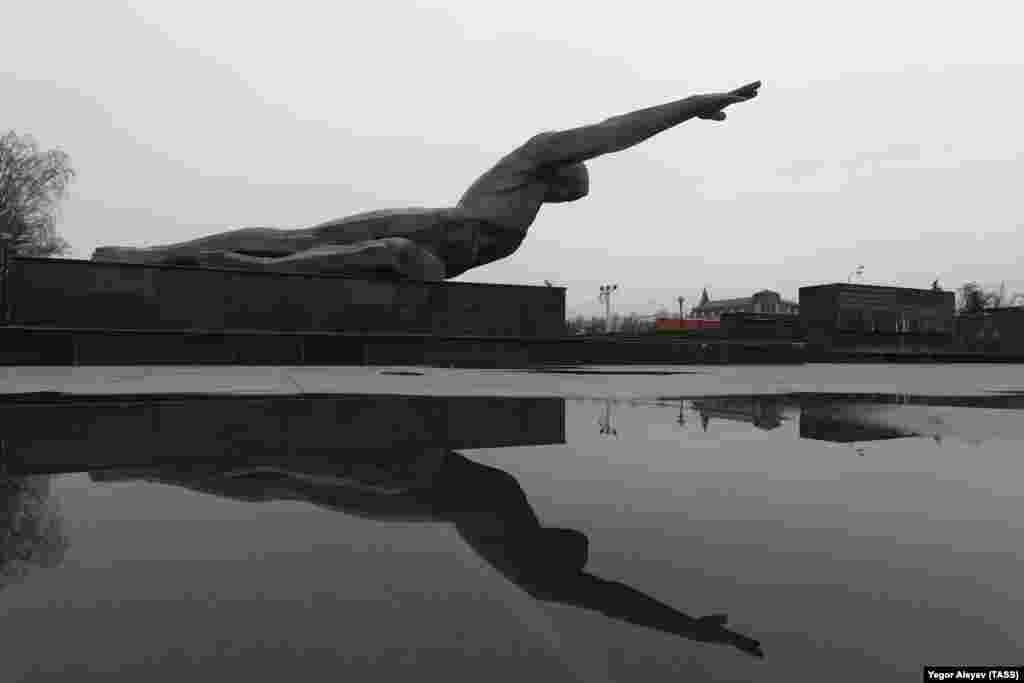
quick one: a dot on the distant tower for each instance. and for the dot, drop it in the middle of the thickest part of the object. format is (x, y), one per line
(704, 300)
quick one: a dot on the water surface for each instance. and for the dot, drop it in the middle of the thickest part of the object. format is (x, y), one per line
(859, 533)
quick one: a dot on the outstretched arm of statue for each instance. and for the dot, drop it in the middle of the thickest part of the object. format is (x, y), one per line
(619, 601)
(621, 132)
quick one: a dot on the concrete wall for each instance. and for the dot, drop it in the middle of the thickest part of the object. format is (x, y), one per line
(761, 326)
(88, 294)
(817, 314)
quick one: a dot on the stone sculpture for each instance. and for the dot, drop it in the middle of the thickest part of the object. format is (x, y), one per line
(489, 222)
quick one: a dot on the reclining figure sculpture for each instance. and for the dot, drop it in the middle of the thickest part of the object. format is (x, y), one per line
(489, 222)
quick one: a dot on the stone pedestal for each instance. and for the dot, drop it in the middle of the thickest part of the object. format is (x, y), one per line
(66, 293)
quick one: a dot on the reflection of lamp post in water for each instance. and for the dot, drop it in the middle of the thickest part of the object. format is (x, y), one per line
(606, 296)
(605, 421)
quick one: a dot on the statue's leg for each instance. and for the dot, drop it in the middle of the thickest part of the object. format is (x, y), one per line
(256, 241)
(392, 257)
(388, 257)
(267, 242)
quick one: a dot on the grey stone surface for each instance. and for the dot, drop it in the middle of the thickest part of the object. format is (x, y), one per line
(944, 380)
(489, 222)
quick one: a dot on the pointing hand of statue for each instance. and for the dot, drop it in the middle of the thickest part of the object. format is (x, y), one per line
(712, 105)
(712, 628)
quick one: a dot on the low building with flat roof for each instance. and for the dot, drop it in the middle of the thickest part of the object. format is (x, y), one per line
(856, 315)
(998, 330)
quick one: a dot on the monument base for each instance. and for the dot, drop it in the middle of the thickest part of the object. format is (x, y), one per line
(26, 345)
(73, 312)
(92, 295)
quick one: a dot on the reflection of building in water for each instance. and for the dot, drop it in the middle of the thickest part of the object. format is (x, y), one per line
(844, 424)
(969, 419)
(762, 412)
(847, 418)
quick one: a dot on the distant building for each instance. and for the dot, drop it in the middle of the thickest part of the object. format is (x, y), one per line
(765, 301)
(850, 315)
(994, 329)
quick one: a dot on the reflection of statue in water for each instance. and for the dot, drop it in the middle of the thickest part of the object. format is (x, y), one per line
(488, 223)
(487, 507)
(31, 528)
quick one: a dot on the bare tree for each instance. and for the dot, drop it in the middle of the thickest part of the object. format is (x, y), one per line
(634, 323)
(32, 182)
(31, 528)
(580, 324)
(974, 299)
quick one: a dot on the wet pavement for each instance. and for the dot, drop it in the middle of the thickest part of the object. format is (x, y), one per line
(769, 524)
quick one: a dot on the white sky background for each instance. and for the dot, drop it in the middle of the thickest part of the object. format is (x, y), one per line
(886, 134)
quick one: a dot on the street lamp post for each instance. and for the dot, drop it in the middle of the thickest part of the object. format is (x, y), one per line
(680, 300)
(606, 296)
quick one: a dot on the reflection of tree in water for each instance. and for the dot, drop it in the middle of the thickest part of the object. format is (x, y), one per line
(31, 528)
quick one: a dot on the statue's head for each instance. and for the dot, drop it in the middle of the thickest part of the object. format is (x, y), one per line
(564, 549)
(566, 183)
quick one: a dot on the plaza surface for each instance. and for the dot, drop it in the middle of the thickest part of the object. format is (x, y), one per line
(589, 382)
(599, 517)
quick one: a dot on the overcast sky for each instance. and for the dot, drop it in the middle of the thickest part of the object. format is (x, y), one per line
(886, 134)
